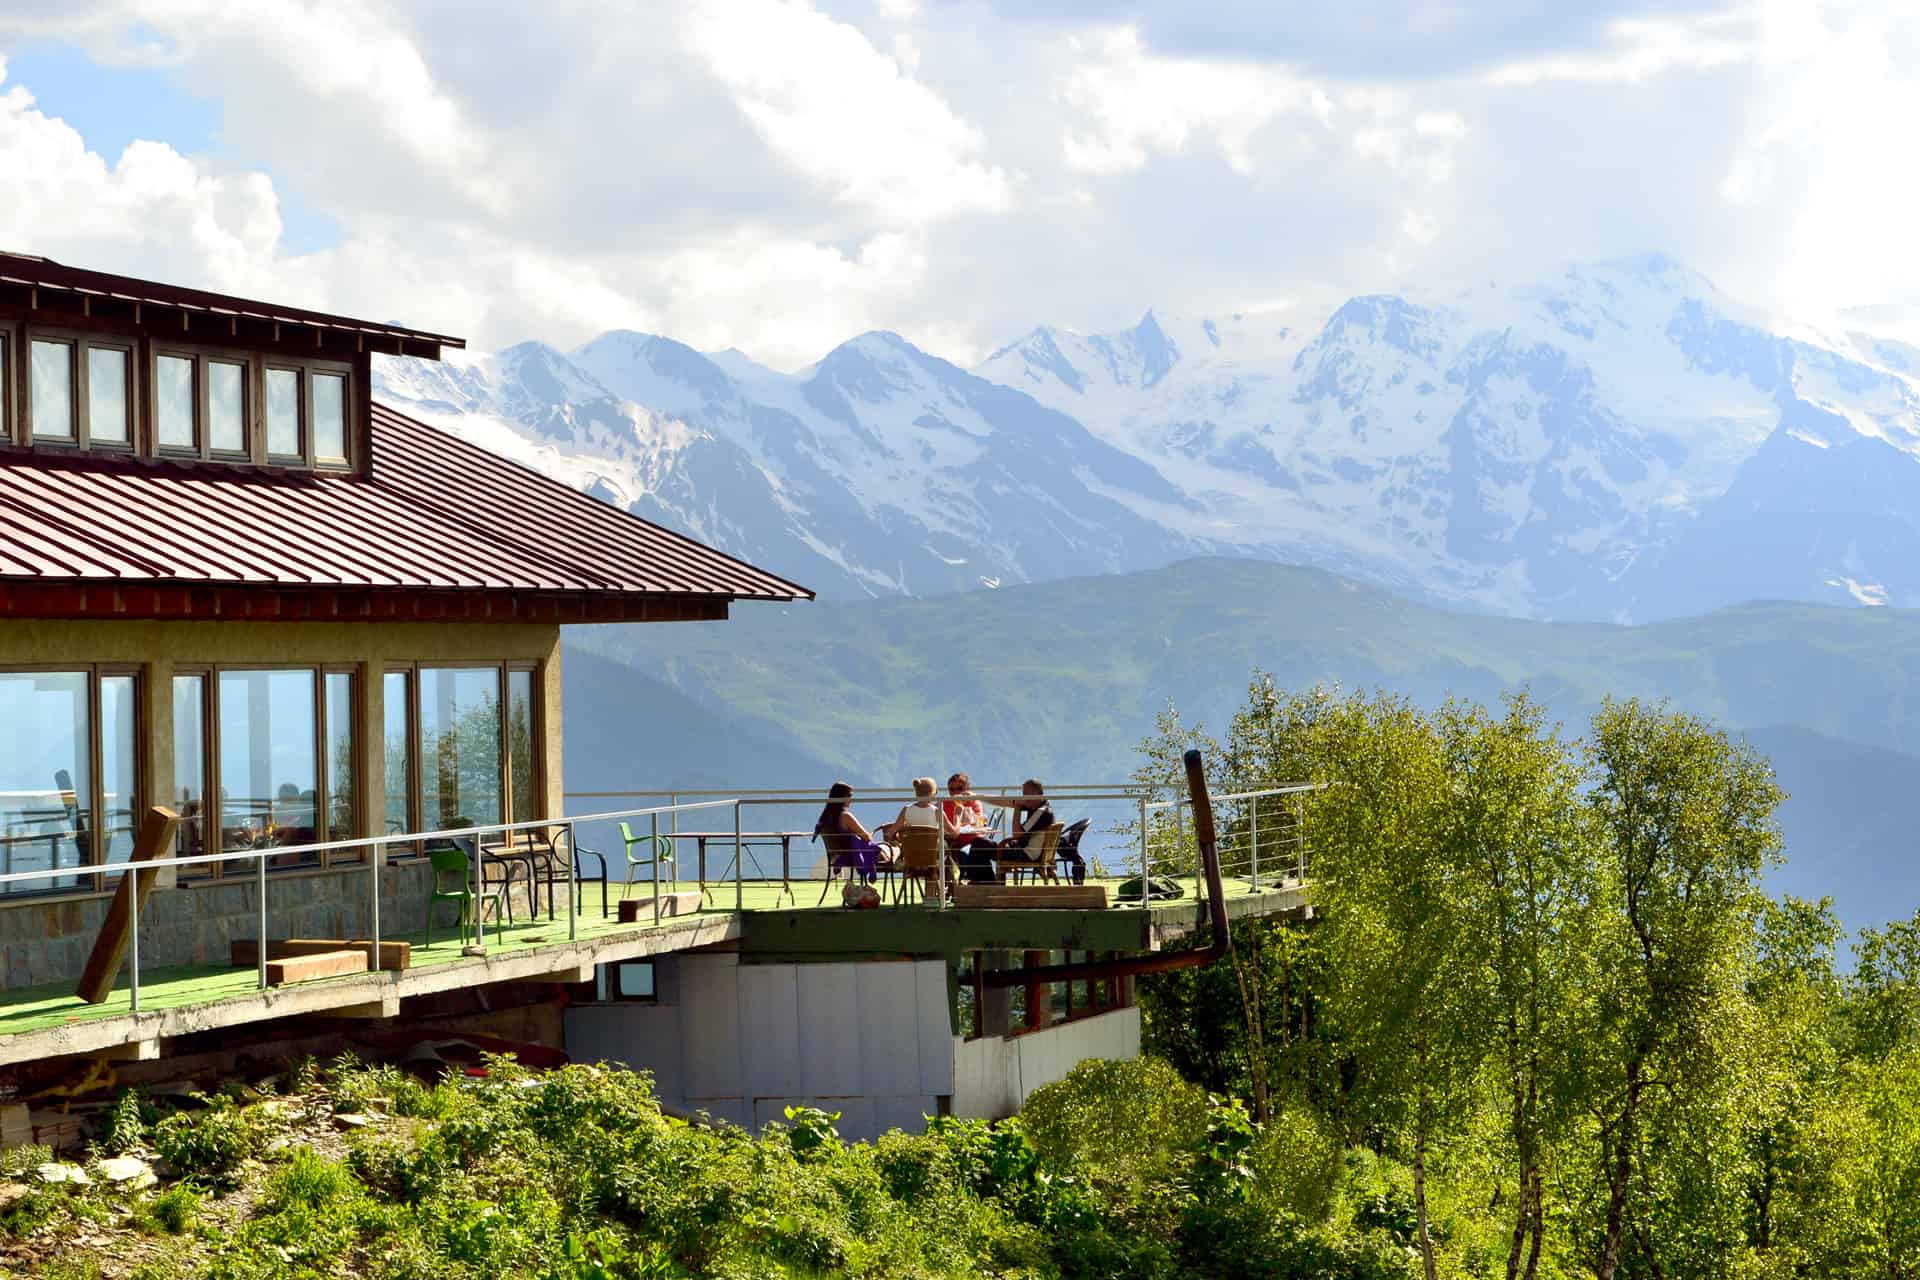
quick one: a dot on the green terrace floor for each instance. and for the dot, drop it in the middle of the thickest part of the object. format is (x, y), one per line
(774, 922)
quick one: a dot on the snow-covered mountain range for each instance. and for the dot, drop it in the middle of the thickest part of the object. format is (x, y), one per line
(1617, 442)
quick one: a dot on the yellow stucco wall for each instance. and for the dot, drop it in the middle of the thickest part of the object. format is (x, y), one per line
(156, 648)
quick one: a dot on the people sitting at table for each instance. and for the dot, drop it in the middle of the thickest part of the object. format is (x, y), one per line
(921, 811)
(1032, 814)
(967, 831)
(858, 852)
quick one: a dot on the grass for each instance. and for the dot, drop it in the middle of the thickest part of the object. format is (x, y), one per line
(46, 1007)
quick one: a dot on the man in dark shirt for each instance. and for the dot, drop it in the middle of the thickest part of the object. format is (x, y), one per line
(1032, 814)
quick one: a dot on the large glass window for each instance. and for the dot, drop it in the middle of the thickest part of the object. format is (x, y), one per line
(460, 773)
(52, 389)
(48, 815)
(174, 410)
(396, 698)
(520, 745)
(341, 770)
(329, 417)
(119, 779)
(269, 777)
(109, 396)
(283, 413)
(190, 767)
(227, 406)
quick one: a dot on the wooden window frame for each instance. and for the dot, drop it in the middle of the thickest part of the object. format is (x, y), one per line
(77, 436)
(93, 871)
(344, 372)
(210, 758)
(416, 799)
(131, 350)
(303, 410)
(197, 399)
(249, 409)
(7, 375)
(356, 707)
(80, 343)
(411, 823)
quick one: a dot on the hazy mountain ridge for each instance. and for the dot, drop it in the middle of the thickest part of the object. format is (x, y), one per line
(1041, 680)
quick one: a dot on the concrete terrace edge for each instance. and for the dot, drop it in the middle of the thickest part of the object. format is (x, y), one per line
(361, 995)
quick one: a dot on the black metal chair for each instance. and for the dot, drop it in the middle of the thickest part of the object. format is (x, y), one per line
(1067, 852)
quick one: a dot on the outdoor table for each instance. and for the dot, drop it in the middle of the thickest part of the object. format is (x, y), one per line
(784, 839)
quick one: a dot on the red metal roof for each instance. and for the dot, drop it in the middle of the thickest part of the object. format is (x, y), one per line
(435, 514)
(44, 273)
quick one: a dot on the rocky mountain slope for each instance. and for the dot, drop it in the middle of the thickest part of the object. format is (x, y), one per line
(1619, 442)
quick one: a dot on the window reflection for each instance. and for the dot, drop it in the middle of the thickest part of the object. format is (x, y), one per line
(329, 417)
(108, 419)
(283, 413)
(268, 774)
(173, 402)
(227, 406)
(397, 735)
(460, 772)
(119, 816)
(53, 389)
(45, 782)
(190, 767)
(520, 743)
(341, 795)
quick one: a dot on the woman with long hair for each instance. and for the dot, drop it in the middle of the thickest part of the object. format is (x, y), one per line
(839, 827)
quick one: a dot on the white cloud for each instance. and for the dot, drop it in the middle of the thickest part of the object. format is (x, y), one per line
(843, 114)
(779, 174)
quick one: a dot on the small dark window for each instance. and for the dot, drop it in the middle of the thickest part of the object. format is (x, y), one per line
(631, 980)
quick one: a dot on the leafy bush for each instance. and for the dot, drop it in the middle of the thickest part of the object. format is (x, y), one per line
(1131, 1128)
(213, 1143)
(127, 1124)
(175, 1210)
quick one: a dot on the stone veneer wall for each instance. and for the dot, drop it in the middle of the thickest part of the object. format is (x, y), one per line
(48, 942)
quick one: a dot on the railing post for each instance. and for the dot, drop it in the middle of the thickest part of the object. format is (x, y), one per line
(133, 902)
(655, 846)
(376, 854)
(260, 879)
(1254, 824)
(1300, 839)
(739, 864)
(479, 902)
(1146, 870)
(573, 887)
(1180, 840)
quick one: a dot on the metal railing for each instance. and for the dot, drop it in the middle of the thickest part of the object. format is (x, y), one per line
(1266, 826)
(477, 835)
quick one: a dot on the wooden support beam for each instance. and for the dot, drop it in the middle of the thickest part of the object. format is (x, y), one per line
(116, 932)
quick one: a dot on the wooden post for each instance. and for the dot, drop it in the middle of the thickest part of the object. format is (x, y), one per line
(110, 948)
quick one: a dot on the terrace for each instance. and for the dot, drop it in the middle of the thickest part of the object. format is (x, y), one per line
(759, 904)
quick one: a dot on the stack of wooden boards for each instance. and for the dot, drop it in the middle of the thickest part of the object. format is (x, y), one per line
(1007, 897)
(303, 959)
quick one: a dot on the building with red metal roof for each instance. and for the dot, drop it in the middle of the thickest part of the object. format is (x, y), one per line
(233, 586)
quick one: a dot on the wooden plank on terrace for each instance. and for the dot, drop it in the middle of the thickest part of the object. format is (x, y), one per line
(1004, 897)
(394, 956)
(116, 931)
(323, 964)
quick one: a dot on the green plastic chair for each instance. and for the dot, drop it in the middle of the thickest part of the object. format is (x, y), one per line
(452, 864)
(662, 854)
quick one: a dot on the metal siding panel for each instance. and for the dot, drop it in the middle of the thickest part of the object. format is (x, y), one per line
(935, 1026)
(710, 1027)
(830, 1048)
(770, 1029)
(889, 1027)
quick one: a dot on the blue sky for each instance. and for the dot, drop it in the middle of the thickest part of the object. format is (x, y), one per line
(779, 174)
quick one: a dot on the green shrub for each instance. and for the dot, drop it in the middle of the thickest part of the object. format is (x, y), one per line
(1130, 1128)
(214, 1143)
(175, 1210)
(1297, 1164)
(127, 1124)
